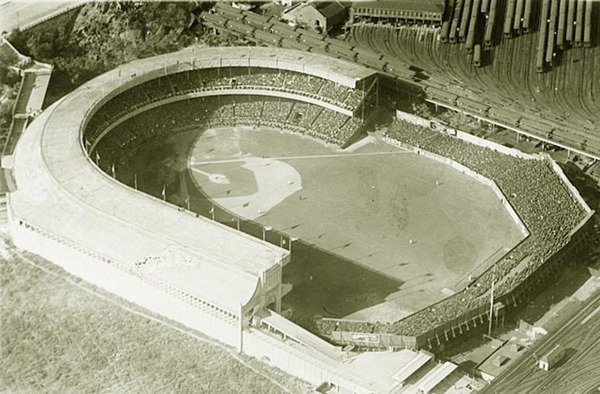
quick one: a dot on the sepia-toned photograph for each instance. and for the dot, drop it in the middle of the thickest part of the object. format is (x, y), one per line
(300, 196)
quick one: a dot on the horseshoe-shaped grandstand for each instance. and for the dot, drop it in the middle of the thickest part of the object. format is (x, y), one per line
(65, 206)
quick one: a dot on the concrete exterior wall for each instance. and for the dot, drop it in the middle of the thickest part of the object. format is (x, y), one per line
(293, 358)
(114, 278)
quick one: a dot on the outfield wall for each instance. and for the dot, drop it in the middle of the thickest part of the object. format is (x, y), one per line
(467, 171)
(472, 139)
(517, 289)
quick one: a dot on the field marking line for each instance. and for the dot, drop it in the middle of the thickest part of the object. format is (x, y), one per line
(156, 320)
(307, 157)
(206, 174)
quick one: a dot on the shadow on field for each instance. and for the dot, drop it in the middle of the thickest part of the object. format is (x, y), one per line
(324, 283)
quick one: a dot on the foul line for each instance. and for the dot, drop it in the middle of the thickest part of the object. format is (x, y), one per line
(329, 156)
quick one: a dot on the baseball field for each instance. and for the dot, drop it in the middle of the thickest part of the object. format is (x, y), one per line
(376, 232)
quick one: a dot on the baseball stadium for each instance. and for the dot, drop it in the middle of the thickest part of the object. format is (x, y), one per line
(241, 191)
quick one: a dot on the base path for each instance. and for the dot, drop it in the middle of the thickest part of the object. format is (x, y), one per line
(275, 181)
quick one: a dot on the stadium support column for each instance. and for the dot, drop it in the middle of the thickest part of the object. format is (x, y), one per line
(279, 290)
(241, 329)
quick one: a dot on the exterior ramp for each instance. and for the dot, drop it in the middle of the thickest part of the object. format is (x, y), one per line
(435, 377)
(418, 361)
(277, 323)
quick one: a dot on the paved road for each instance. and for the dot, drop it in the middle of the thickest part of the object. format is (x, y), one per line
(22, 13)
(579, 372)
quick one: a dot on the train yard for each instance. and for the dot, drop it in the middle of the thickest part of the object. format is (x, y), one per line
(559, 106)
(576, 373)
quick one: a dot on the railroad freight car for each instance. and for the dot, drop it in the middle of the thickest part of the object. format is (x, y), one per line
(472, 105)
(477, 56)
(508, 18)
(506, 117)
(587, 28)
(536, 126)
(551, 31)
(309, 40)
(367, 53)
(485, 5)
(400, 70)
(489, 27)
(284, 30)
(527, 16)
(371, 60)
(258, 21)
(215, 20)
(518, 15)
(338, 44)
(447, 20)
(541, 46)
(464, 23)
(293, 44)
(240, 28)
(579, 24)
(267, 37)
(228, 11)
(455, 21)
(441, 96)
(562, 20)
(310, 36)
(570, 20)
(472, 26)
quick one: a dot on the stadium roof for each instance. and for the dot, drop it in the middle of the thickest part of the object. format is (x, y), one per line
(328, 8)
(61, 191)
(408, 5)
(340, 71)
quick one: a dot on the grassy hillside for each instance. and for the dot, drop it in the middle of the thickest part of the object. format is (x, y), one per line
(60, 334)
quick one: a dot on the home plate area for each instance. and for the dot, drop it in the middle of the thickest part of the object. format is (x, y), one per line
(275, 181)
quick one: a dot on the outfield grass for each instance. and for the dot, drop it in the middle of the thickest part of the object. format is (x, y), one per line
(355, 218)
(59, 334)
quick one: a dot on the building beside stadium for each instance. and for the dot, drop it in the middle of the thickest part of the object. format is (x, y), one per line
(319, 16)
(397, 12)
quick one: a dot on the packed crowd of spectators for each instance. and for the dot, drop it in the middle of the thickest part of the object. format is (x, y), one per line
(543, 202)
(218, 79)
(233, 110)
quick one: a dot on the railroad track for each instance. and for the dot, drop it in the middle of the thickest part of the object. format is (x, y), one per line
(524, 373)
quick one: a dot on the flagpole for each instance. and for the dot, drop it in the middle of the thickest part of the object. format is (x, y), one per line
(492, 301)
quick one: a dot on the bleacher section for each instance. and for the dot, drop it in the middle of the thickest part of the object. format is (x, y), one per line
(232, 110)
